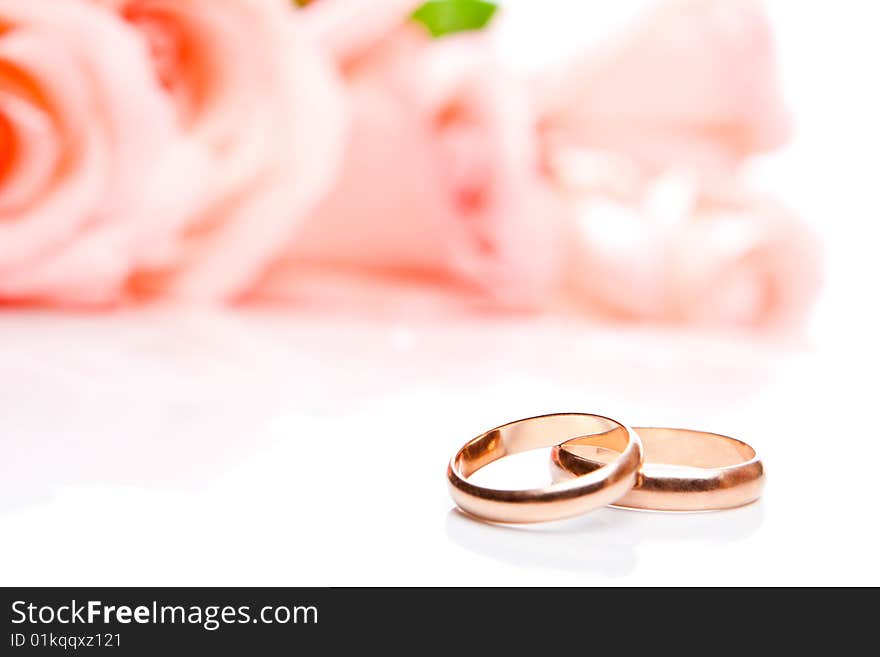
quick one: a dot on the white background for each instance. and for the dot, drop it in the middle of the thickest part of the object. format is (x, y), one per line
(242, 448)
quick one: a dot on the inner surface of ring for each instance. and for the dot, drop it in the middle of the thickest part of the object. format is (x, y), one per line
(682, 447)
(545, 431)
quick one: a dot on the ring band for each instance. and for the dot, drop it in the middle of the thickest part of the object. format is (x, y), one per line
(683, 470)
(599, 487)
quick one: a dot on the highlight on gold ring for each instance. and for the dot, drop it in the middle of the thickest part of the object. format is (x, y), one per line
(683, 469)
(579, 494)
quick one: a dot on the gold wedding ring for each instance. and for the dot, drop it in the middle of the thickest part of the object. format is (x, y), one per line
(603, 484)
(683, 470)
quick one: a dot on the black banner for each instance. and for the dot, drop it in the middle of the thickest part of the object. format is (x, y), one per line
(151, 621)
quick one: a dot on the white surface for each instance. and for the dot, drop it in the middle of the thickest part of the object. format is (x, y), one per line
(245, 449)
(196, 448)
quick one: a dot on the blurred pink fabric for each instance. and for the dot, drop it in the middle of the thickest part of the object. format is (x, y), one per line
(94, 177)
(693, 84)
(441, 179)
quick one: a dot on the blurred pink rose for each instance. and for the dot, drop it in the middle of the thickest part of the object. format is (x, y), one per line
(213, 149)
(256, 97)
(93, 180)
(675, 249)
(347, 28)
(440, 182)
(692, 85)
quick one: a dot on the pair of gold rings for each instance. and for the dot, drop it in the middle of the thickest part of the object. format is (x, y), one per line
(597, 461)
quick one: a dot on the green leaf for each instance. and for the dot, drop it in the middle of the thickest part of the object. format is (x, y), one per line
(448, 16)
